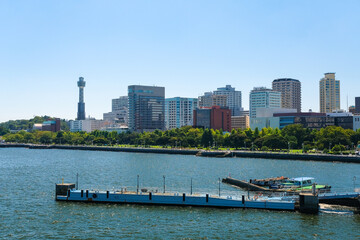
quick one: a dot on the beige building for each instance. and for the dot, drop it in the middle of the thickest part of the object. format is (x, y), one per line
(219, 100)
(290, 92)
(241, 122)
(329, 93)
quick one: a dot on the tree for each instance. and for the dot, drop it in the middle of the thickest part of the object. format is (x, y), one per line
(274, 142)
(28, 137)
(332, 135)
(256, 133)
(45, 137)
(295, 134)
(3, 131)
(249, 133)
(207, 138)
(101, 141)
(237, 140)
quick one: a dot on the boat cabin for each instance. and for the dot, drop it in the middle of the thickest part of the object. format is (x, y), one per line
(300, 181)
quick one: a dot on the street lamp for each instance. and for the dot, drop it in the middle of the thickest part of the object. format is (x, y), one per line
(354, 179)
(329, 147)
(164, 182)
(289, 147)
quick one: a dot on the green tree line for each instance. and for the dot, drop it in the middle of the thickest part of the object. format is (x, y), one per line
(331, 138)
(29, 124)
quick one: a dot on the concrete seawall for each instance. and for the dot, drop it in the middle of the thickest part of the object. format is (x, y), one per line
(200, 153)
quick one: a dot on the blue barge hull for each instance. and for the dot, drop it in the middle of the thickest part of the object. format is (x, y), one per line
(172, 199)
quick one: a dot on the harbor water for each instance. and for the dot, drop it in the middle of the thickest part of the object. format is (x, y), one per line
(29, 211)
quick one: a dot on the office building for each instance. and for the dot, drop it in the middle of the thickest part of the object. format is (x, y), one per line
(329, 93)
(290, 92)
(119, 111)
(87, 125)
(261, 97)
(233, 98)
(202, 117)
(279, 118)
(120, 103)
(215, 118)
(52, 125)
(81, 104)
(120, 116)
(240, 122)
(179, 112)
(357, 105)
(352, 109)
(265, 118)
(244, 113)
(146, 108)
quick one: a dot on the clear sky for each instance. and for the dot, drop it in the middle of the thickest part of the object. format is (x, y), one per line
(188, 47)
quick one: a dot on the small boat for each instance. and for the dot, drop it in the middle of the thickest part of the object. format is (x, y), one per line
(278, 184)
(303, 184)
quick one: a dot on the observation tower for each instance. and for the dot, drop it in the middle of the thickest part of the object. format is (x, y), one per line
(81, 104)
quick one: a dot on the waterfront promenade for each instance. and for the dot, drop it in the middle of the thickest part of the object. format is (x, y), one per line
(201, 152)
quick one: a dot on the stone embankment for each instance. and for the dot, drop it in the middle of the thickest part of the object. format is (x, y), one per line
(201, 153)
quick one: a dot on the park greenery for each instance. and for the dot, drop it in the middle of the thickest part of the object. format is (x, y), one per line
(16, 125)
(330, 139)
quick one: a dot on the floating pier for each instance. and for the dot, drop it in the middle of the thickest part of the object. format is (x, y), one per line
(67, 192)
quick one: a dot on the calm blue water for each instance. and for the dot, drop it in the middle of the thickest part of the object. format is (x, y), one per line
(28, 209)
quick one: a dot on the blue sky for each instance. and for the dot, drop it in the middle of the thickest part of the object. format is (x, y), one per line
(188, 47)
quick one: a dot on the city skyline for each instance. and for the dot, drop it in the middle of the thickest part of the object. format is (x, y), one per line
(188, 48)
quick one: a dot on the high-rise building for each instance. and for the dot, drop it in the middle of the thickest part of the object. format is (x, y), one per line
(146, 108)
(209, 99)
(205, 100)
(219, 100)
(81, 104)
(261, 97)
(357, 105)
(119, 111)
(233, 98)
(329, 93)
(179, 112)
(119, 103)
(290, 92)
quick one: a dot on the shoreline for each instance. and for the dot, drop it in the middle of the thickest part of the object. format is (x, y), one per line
(200, 153)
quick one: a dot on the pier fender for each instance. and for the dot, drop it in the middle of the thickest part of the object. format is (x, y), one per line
(309, 203)
(94, 195)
